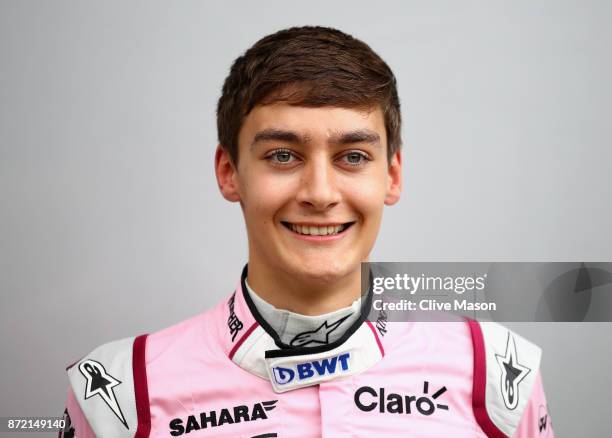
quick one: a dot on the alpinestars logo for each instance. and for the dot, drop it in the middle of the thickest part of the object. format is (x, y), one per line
(320, 336)
(99, 382)
(237, 414)
(367, 399)
(512, 373)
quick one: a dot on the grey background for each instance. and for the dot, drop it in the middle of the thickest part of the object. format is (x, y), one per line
(112, 225)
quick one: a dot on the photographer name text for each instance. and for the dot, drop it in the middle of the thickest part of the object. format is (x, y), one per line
(433, 305)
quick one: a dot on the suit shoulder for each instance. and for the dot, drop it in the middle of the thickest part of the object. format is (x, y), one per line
(505, 369)
(106, 383)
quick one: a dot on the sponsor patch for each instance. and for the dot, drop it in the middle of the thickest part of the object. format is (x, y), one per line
(512, 373)
(100, 383)
(544, 422)
(233, 322)
(381, 322)
(312, 369)
(368, 399)
(320, 336)
(68, 430)
(221, 417)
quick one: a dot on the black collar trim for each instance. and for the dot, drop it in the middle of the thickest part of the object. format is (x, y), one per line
(288, 350)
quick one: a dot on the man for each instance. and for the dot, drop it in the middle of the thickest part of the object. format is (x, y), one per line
(309, 132)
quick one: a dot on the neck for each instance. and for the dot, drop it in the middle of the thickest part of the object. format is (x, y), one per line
(310, 296)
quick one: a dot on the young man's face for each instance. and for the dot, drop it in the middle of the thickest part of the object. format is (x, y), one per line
(312, 183)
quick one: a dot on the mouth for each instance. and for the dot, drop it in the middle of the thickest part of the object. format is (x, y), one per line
(318, 229)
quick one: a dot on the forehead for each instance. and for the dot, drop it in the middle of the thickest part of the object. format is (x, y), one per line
(312, 123)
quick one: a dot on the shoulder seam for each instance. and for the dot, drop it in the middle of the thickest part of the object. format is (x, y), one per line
(141, 390)
(479, 382)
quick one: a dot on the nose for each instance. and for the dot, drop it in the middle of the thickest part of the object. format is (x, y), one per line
(318, 188)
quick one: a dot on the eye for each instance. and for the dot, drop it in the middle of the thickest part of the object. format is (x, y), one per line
(355, 158)
(281, 156)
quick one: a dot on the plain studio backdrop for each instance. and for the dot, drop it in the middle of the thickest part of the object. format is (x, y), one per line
(112, 224)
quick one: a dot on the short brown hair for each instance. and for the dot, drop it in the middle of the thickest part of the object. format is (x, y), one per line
(307, 66)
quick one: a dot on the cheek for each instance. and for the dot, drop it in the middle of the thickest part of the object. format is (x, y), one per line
(367, 198)
(266, 196)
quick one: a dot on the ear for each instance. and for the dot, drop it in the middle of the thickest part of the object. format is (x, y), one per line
(394, 181)
(227, 175)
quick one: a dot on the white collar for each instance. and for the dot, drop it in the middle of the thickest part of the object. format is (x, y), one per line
(252, 344)
(299, 330)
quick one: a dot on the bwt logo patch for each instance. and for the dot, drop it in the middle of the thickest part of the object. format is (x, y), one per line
(312, 369)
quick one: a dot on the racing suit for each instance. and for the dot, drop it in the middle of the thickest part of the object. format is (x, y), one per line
(227, 373)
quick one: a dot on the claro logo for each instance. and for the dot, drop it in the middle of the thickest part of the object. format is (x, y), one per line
(367, 399)
(312, 369)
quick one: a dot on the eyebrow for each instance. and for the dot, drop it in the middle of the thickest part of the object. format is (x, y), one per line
(338, 138)
(272, 134)
(357, 136)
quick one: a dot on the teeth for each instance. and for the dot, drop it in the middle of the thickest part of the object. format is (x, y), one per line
(317, 231)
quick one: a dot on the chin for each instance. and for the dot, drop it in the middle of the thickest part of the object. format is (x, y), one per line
(323, 270)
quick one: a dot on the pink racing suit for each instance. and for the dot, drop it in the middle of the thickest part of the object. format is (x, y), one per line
(225, 373)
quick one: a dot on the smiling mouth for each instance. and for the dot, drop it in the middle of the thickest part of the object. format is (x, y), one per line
(318, 230)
